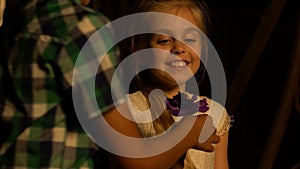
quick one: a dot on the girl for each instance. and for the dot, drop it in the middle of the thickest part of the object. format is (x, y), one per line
(169, 71)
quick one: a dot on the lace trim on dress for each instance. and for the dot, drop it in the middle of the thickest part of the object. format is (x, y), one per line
(228, 122)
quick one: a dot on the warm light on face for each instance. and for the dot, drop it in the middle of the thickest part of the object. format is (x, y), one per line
(182, 44)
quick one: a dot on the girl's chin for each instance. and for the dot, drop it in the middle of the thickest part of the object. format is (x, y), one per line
(171, 84)
(179, 80)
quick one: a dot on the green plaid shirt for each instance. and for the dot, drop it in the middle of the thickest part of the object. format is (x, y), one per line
(39, 125)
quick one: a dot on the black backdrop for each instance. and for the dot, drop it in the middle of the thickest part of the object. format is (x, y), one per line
(234, 25)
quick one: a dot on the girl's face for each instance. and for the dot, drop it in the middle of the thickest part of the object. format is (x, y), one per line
(182, 46)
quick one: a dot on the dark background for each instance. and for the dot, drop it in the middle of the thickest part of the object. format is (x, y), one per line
(234, 24)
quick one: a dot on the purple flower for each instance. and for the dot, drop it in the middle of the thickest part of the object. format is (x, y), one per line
(190, 105)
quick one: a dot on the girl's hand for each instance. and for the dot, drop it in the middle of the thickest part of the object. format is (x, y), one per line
(206, 133)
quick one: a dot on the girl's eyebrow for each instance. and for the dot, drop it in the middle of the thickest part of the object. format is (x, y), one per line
(169, 32)
(163, 31)
(193, 29)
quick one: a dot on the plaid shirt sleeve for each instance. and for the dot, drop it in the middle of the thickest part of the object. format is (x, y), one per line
(43, 131)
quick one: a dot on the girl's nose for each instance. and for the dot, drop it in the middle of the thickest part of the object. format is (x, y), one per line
(178, 47)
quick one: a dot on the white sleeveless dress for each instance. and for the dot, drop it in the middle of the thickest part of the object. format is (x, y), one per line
(195, 159)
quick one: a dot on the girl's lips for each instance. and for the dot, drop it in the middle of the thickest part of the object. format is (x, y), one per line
(178, 63)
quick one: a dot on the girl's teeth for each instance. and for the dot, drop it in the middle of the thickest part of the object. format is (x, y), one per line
(178, 64)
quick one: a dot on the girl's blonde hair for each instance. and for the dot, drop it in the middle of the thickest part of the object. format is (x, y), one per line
(198, 8)
(141, 82)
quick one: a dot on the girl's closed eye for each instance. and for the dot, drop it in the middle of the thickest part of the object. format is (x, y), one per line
(190, 40)
(164, 41)
(191, 37)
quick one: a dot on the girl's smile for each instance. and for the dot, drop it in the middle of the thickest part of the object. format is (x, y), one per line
(178, 64)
